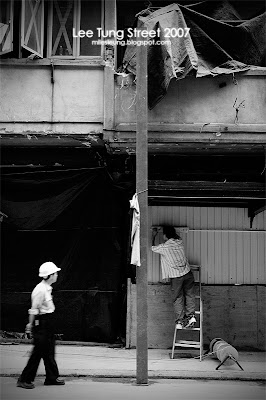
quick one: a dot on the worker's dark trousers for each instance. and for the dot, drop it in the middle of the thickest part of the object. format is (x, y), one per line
(183, 296)
(44, 348)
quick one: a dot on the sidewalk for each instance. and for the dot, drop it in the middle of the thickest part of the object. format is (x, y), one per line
(102, 361)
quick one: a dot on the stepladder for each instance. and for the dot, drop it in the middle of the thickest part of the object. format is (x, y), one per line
(191, 338)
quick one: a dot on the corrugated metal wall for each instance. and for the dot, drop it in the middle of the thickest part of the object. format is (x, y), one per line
(219, 239)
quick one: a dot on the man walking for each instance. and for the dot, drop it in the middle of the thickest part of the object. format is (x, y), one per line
(175, 267)
(41, 326)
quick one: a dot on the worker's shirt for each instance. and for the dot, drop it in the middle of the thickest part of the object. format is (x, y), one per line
(41, 299)
(173, 259)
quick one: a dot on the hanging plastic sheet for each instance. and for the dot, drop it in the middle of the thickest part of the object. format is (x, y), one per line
(187, 41)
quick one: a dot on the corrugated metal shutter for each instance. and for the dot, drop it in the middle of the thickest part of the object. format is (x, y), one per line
(219, 239)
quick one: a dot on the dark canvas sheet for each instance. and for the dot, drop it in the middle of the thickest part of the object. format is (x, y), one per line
(74, 218)
(77, 219)
(34, 200)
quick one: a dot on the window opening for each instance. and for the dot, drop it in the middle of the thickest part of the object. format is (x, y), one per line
(6, 26)
(90, 19)
(45, 28)
(62, 25)
(32, 26)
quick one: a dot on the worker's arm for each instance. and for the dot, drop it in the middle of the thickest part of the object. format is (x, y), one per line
(154, 234)
(36, 303)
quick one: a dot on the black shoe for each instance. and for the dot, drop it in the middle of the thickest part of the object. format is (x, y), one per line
(25, 385)
(55, 382)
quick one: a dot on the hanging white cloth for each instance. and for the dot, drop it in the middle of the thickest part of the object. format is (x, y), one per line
(135, 231)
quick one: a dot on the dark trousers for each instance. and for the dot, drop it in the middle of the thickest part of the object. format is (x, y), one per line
(44, 348)
(183, 296)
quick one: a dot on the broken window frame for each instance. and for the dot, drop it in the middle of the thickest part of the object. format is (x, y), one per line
(28, 27)
(6, 39)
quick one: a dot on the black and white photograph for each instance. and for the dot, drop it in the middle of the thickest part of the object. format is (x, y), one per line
(133, 199)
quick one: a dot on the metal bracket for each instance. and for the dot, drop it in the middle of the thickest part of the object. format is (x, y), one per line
(232, 358)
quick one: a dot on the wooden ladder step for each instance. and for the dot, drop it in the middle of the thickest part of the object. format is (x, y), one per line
(188, 329)
(192, 329)
(187, 343)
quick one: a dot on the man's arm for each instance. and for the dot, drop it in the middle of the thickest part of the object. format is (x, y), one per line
(154, 234)
(33, 311)
(160, 247)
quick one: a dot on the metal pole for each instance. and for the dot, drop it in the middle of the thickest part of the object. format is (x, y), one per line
(141, 188)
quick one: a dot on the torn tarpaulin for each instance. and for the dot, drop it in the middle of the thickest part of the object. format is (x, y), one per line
(212, 47)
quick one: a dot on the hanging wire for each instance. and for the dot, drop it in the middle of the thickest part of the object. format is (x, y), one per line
(142, 191)
(148, 10)
(241, 104)
(207, 123)
(46, 171)
(133, 101)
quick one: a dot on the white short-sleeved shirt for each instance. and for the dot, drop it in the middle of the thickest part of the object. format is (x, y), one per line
(174, 262)
(41, 299)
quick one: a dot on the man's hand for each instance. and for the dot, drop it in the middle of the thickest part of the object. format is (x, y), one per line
(28, 330)
(154, 234)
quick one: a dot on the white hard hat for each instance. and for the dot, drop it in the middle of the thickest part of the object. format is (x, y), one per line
(48, 268)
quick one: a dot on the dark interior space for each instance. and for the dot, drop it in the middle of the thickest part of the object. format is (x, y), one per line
(77, 218)
(84, 227)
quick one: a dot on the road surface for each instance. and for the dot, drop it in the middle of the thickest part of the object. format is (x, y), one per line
(126, 389)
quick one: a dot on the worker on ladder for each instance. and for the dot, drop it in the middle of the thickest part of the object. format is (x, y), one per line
(175, 267)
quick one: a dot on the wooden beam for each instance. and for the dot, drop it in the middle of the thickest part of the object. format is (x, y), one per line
(221, 128)
(178, 135)
(109, 57)
(207, 184)
(257, 189)
(205, 202)
(185, 147)
(142, 190)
